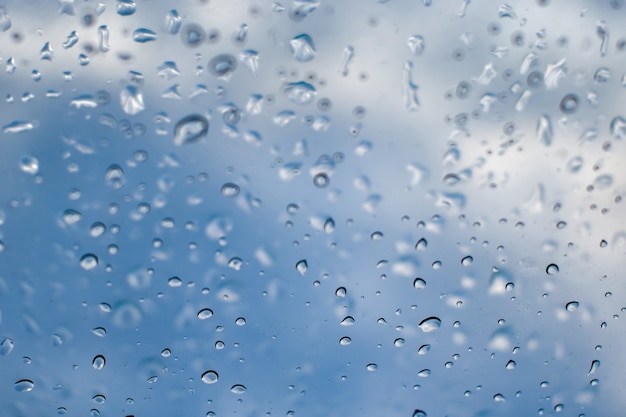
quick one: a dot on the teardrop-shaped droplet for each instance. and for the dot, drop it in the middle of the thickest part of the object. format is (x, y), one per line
(302, 266)
(98, 362)
(143, 35)
(430, 324)
(209, 377)
(190, 129)
(24, 385)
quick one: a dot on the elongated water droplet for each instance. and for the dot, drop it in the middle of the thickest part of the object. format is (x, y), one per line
(302, 48)
(230, 189)
(430, 324)
(103, 39)
(424, 373)
(190, 129)
(173, 21)
(126, 7)
(24, 385)
(371, 367)
(205, 313)
(19, 126)
(88, 261)
(595, 364)
(302, 266)
(209, 377)
(99, 331)
(411, 101)
(143, 35)
(238, 389)
(98, 362)
(131, 99)
(346, 59)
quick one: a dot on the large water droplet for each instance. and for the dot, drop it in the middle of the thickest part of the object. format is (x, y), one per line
(430, 324)
(210, 377)
(238, 389)
(131, 100)
(173, 22)
(572, 306)
(98, 362)
(302, 48)
(24, 385)
(190, 129)
(88, 261)
(302, 266)
(552, 269)
(126, 7)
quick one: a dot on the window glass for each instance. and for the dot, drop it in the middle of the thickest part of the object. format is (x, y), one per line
(308, 207)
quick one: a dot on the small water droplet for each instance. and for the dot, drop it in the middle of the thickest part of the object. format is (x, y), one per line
(166, 353)
(98, 362)
(347, 321)
(99, 331)
(341, 292)
(371, 367)
(511, 364)
(430, 324)
(569, 104)
(302, 266)
(572, 306)
(24, 385)
(329, 225)
(126, 7)
(467, 261)
(174, 282)
(71, 216)
(345, 341)
(190, 129)
(240, 321)
(97, 229)
(114, 176)
(222, 66)
(321, 180)
(302, 48)
(419, 283)
(238, 389)
(230, 190)
(99, 399)
(300, 92)
(419, 413)
(205, 313)
(29, 165)
(399, 342)
(424, 349)
(210, 377)
(88, 261)
(552, 269)
(416, 44)
(423, 373)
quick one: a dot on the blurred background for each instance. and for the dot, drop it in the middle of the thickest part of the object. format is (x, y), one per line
(303, 208)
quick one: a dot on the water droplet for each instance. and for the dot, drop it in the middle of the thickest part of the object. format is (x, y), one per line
(210, 377)
(423, 373)
(424, 349)
(99, 331)
(552, 269)
(143, 35)
(341, 292)
(240, 321)
(131, 99)
(192, 35)
(103, 39)
(346, 58)
(467, 261)
(190, 129)
(329, 225)
(6, 346)
(98, 362)
(71, 216)
(97, 229)
(61, 411)
(230, 190)
(416, 44)
(300, 92)
(399, 342)
(24, 385)
(345, 341)
(174, 282)
(321, 180)
(222, 66)
(430, 324)
(572, 306)
(569, 104)
(238, 389)
(419, 283)
(205, 313)
(173, 22)
(419, 413)
(371, 367)
(99, 399)
(510, 364)
(166, 353)
(302, 266)
(29, 165)
(126, 7)
(595, 364)
(347, 321)
(88, 261)
(302, 48)
(411, 101)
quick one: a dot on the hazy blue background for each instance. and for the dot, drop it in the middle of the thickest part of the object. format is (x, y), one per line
(456, 176)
